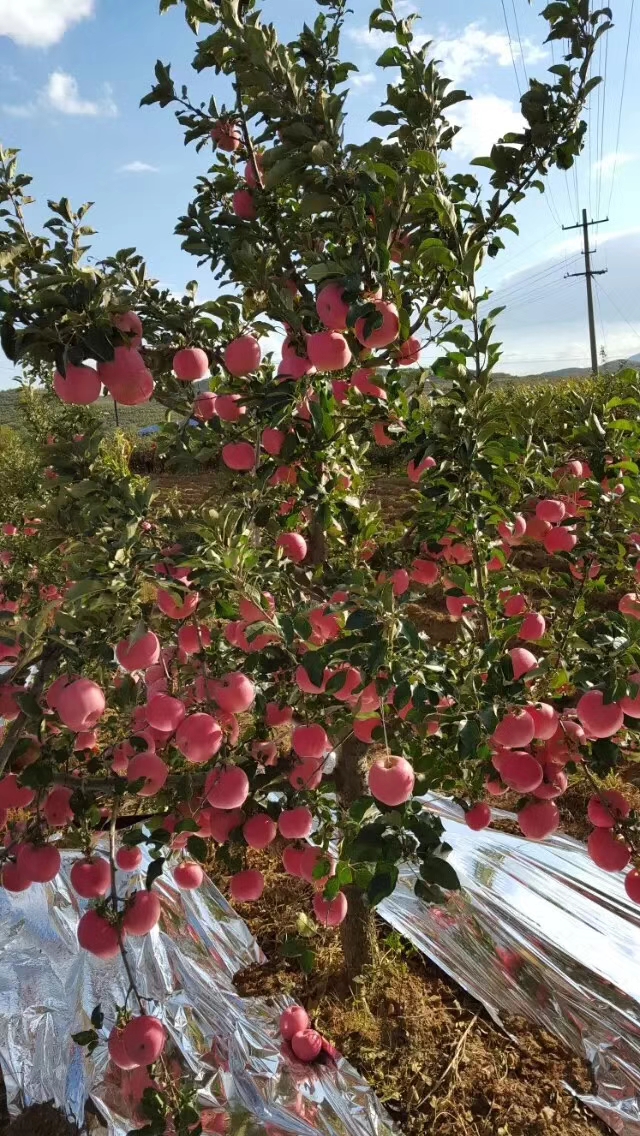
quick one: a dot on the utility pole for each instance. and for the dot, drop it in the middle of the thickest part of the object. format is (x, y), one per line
(588, 273)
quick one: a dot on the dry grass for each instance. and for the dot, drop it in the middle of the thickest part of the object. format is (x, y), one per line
(430, 1052)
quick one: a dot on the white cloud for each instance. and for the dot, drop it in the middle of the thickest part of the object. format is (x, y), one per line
(483, 121)
(41, 23)
(461, 55)
(17, 110)
(375, 40)
(138, 167)
(62, 95)
(614, 161)
(476, 48)
(363, 79)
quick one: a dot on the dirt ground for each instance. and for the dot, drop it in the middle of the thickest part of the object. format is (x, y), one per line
(430, 1052)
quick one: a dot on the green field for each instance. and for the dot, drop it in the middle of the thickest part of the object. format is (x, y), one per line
(131, 418)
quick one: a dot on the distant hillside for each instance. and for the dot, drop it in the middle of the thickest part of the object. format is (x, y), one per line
(130, 417)
(609, 368)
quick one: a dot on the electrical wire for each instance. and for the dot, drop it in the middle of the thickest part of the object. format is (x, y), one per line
(524, 65)
(611, 300)
(622, 93)
(513, 58)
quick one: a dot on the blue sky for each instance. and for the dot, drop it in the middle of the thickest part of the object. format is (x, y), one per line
(72, 73)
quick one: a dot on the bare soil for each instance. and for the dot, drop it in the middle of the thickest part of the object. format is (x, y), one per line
(429, 1051)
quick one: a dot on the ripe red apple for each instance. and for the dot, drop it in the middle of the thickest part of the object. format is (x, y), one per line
(144, 1039)
(244, 205)
(14, 878)
(56, 809)
(424, 572)
(227, 788)
(409, 352)
(415, 472)
(518, 769)
(607, 807)
(295, 824)
(292, 1020)
(273, 440)
(117, 1052)
(293, 545)
(128, 859)
(150, 767)
(91, 878)
(199, 737)
(607, 851)
(478, 816)
(330, 912)
(234, 692)
(328, 351)
(522, 661)
(539, 820)
(140, 655)
(170, 607)
(239, 456)
(332, 309)
(188, 875)
(545, 720)
(191, 364)
(243, 355)
(307, 1045)
(383, 335)
(550, 510)
(131, 325)
(292, 860)
(533, 627)
(164, 712)
(126, 377)
(560, 540)
(245, 887)
(310, 742)
(632, 885)
(98, 936)
(391, 780)
(515, 730)
(13, 795)
(142, 913)
(205, 406)
(227, 135)
(40, 862)
(79, 386)
(599, 719)
(630, 605)
(259, 831)
(80, 704)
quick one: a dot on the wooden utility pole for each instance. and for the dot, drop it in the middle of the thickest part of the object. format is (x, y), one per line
(588, 273)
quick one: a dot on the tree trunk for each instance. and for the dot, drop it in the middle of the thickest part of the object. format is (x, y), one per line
(317, 543)
(357, 932)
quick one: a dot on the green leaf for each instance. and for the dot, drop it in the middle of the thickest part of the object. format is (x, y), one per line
(385, 118)
(392, 57)
(316, 203)
(382, 884)
(97, 1017)
(84, 1037)
(425, 161)
(435, 870)
(154, 871)
(197, 847)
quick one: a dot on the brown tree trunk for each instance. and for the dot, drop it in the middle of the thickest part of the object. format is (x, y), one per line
(317, 543)
(357, 932)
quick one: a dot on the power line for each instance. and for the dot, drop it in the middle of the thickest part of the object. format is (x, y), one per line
(611, 300)
(524, 66)
(622, 91)
(513, 58)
